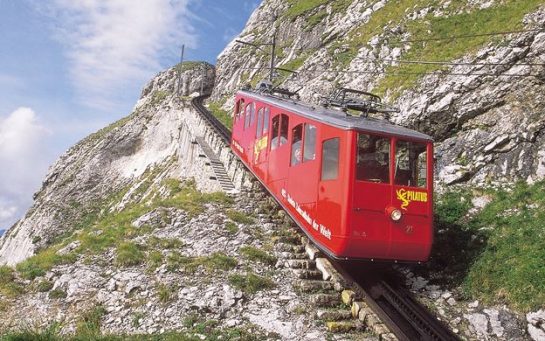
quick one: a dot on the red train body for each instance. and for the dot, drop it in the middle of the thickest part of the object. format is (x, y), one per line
(360, 188)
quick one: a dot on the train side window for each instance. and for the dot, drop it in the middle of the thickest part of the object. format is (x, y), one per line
(252, 117)
(296, 145)
(239, 110)
(411, 164)
(259, 123)
(266, 120)
(309, 143)
(330, 159)
(249, 109)
(284, 124)
(275, 130)
(373, 158)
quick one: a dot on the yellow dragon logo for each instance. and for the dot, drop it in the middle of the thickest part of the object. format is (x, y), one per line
(407, 197)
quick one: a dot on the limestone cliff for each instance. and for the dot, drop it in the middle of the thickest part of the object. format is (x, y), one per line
(156, 136)
(478, 102)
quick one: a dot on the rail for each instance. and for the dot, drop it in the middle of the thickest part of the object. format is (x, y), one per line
(223, 132)
(395, 306)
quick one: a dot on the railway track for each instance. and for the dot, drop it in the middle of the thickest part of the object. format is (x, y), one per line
(377, 284)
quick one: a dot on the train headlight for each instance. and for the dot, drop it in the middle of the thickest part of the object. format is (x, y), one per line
(396, 215)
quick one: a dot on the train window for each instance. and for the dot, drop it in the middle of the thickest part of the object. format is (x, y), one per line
(240, 109)
(259, 123)
(284, 124)
(252, 119)
(373, 158)
(275, 130)
(296, 145)
(411, 162)
(330, 159)
(249, 109)
(310, 143)
(266, 120)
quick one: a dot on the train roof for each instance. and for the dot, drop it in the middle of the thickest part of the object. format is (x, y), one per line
(337, 118)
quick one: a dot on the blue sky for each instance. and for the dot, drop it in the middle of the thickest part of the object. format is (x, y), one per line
(70, 67)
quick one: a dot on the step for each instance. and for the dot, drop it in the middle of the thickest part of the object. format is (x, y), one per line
(326, 300)
(307, 285)
(333, 314)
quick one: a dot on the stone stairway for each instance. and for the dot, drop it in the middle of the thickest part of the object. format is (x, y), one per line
(217, 166)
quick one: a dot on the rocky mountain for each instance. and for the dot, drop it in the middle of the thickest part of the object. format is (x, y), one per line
(479, 96)
(151, 144)
(132, 233)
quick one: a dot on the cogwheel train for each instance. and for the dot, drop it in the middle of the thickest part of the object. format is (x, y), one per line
(359, 187)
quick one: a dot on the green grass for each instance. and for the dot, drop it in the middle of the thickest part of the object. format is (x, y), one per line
(129, 254)
(44, 286)
(39, 264)
(166, 293)
(57, 293)
(250, 283)
(254, 254)
(158, 96)
(90, 323)
(239, 217)
(300, 7)
(503, 17)
(8, 286)
(188, 65)
(231, 228)
(497, 255)
(117, 229)
(165, 243)
(155, 259)
(222, 115)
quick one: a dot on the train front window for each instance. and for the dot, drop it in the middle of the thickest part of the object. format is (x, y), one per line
(410, 166)
(373, 158)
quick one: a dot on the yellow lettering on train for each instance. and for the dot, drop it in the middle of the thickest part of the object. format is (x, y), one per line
(406, 197)
(260, 145)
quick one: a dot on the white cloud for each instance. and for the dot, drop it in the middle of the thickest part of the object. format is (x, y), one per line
(117, 45)
(24, 157)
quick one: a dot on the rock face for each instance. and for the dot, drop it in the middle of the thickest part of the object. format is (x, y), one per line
(157, 135)
(199, 269)
(485, 115)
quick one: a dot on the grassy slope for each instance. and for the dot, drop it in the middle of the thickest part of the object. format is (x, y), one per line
(497, 255)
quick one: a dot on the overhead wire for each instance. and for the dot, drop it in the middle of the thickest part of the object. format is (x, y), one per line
(467, 36)
(445, 63)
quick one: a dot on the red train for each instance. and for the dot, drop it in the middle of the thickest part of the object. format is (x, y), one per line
(359, 187)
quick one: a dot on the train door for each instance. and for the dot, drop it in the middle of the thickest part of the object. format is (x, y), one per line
(412, 235)
(238, 127)
(331, 189)
(279, 153)
(262, 142)
(372, 195)
(248, 136)
(303, 170)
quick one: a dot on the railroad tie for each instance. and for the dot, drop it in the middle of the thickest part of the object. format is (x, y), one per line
(217, 166)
